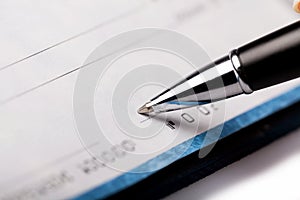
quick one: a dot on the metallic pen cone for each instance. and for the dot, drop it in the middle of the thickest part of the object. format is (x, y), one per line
(216, 81)
(144, 110)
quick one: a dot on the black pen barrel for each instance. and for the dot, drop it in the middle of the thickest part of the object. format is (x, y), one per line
(272, 59)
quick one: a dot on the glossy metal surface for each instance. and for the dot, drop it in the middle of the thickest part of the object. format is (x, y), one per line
(214, 82)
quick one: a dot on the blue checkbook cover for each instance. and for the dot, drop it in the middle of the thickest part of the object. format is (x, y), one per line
(195, 144)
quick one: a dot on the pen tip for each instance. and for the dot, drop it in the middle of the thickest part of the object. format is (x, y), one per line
(144, 110)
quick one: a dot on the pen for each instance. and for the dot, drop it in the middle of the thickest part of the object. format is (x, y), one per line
(267, 61)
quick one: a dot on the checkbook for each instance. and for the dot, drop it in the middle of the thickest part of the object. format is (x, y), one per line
(51, 146)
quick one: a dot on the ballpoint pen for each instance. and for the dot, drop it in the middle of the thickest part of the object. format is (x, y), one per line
(267, 61)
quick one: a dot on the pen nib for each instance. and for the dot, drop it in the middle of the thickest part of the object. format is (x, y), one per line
(144, 110)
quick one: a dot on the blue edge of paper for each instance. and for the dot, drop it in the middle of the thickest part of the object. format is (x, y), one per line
(194, 144)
